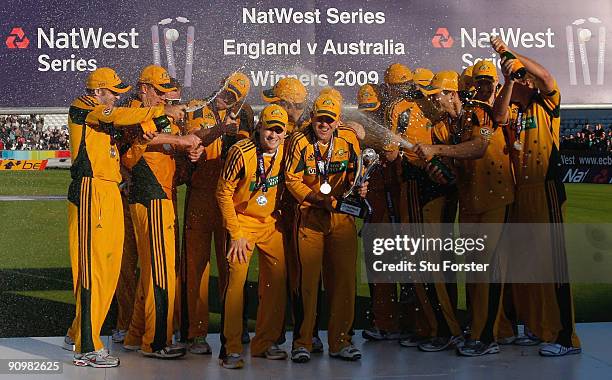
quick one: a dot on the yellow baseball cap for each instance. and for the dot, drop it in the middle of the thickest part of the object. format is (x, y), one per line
(398, 74)
(326, 105)
(466, 82)
(238, 84)
(288, 89)
(332, 92)
(368, 98)
(105, 77)
(274, 116)
(442, 81)
(422, 76)
(484, 70)
(158, 77)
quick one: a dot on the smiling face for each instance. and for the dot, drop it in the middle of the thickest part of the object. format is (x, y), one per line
(324, 127)
(271, 138)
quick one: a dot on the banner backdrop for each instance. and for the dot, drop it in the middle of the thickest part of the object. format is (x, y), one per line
(586, 167)
(51, 45)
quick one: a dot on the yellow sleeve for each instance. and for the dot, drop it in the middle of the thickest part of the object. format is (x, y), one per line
(226, 187)
(126, 116)
(552, 99)
(294, 172)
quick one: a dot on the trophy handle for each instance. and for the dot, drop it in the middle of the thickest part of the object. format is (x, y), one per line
(358, 173)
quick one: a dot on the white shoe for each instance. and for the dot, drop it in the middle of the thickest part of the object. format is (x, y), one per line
(350, 353)
(300, 355)
(200, 346)
(119, 336)
(131, 348)
(477, 348)
(168, 352)
(376, 334)
(96, 359)
(555, 349)
(68, 343)
(232, 361)
(275, 353)
(436, 344)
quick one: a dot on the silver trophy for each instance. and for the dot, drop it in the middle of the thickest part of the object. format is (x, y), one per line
(351, 203)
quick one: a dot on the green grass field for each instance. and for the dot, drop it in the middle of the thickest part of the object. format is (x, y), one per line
(36, 267)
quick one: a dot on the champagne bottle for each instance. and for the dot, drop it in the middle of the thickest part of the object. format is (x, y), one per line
(518, 69)
(444, 169)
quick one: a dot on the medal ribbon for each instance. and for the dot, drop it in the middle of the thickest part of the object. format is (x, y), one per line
(323, 166)
(518, 127)
(261, 174)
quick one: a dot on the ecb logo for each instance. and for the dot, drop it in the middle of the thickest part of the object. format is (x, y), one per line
(171, 36)
(582, 31)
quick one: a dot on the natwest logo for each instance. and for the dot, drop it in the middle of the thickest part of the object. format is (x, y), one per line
(17, 39)
(442, 39)
(513, 37)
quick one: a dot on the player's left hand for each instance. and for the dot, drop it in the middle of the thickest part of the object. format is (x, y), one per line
(195, 154)
(424, 151)
(363, 190)
(149, 136)
(436, 174)
(238, 250)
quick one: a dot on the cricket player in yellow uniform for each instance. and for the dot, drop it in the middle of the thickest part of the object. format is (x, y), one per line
(152, 169)
(95, 217)
(540, 196)
(222, 122)
(247, 192)
(422, 200)
(486, 186)
(320, 163)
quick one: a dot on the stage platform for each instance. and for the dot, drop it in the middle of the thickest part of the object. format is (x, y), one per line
(381, 360)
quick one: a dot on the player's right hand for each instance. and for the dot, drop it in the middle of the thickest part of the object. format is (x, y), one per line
(190, 141)
(230, 126)
(506, 66)
(498, 44)
(177, 111)
(238, 250)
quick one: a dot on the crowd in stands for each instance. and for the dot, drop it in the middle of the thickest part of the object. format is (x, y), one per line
(587, 137)
(28, 132)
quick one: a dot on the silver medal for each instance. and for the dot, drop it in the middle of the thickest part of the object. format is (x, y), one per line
(262, 200)
(325, 188)
(518, 145)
